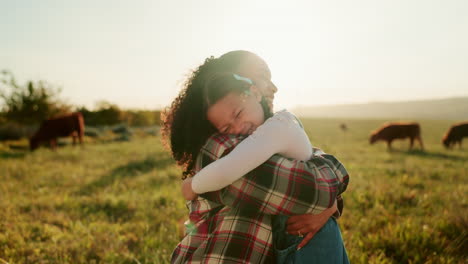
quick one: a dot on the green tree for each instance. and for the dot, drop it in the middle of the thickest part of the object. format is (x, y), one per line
(105, 114)
(30, 103)
(141, 117)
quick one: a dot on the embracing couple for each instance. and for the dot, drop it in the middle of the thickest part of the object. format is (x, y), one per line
(256, 188)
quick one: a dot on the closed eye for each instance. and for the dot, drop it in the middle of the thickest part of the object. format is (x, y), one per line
(239, 113)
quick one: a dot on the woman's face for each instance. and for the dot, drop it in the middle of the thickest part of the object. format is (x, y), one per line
(257, 70)
(238, 114)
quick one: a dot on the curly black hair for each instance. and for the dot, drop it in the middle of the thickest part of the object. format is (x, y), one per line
(185, 127)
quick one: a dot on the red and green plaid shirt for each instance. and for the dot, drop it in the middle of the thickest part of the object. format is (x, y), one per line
(233, 225)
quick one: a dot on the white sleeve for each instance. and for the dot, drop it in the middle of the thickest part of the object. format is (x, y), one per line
(280, 134)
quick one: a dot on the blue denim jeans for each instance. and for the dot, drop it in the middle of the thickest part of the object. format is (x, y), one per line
(326, 247)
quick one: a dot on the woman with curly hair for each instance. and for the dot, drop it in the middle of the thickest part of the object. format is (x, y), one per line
(185, 125)
(218, 99)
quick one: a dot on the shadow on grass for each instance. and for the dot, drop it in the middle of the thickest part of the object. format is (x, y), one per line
(132, 169)
(428, 154)
(12, 155)
(17, 152)
(114, 211)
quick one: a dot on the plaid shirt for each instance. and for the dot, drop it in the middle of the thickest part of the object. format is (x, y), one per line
(233, 225)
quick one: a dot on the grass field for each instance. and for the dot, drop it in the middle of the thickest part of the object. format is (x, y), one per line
(119, 202)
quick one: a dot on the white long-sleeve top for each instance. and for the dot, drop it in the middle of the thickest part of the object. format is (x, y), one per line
(280, 134)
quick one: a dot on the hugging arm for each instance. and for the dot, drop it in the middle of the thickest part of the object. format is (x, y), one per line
(279, 134)
(280, 185)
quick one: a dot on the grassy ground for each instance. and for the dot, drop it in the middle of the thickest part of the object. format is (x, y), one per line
(119, 202)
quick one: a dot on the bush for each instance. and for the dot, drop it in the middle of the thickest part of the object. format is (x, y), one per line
(121, 129)
(141, 118)
(92, 132)
(106, 114)
(14, 131)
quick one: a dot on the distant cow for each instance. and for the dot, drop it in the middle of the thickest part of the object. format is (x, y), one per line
(62, 126)
(455, 135)
(343, 126)
(392, 131)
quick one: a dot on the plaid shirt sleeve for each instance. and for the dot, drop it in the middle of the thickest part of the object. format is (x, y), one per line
(280, 185)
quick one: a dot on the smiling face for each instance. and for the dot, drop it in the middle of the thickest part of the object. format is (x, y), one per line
(237, 113)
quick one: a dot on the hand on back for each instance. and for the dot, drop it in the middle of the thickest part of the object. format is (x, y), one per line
(308, 224)
(187, 190)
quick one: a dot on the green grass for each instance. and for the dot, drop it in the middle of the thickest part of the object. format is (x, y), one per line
(120, 202)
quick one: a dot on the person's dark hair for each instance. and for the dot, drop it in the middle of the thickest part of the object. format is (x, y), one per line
(185, 127)
(221, 84)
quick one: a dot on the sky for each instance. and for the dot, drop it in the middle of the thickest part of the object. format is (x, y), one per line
(137, 54)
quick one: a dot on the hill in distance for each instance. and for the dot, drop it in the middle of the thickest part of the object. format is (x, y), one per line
(436, 109)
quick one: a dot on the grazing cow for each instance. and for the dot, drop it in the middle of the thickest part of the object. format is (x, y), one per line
(392, 131)
(343, 126)
(455, 135)
(62, 126)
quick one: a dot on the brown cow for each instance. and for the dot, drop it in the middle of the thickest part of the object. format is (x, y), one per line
(343, 127)
(62, 126)
(455, 135)
(392, 131)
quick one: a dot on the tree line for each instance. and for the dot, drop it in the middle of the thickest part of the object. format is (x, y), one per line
(34, 101)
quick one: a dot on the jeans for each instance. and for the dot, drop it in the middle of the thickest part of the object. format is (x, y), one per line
(325, 247)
